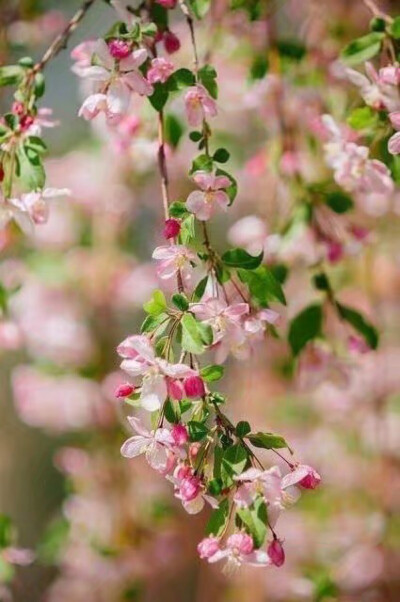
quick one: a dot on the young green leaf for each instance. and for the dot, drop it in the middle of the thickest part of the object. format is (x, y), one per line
(157, 304)
(218, 520)
(197, 430)
(212, 373)
(362, 49)
(239, 258)
(192, 339)
(357, 320)
(267, 440)
(255, 519)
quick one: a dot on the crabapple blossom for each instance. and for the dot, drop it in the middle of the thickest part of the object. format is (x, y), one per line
(113, 82)
(208, 547)
(211, 196)
(30, 208)
(174, 259)
(276, 552)
(140, 360)
(172, 228)
(199, 105)
(160, 70)
(194, 387)
(376, 87)
(171, 42)
(124, 390)
(156, 445)
(190, 490)
(240, 550)
(394, 141)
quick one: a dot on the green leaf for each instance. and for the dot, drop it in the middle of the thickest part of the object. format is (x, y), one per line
(243, 428)
(218, 519)
(208, 77)
(6, 531)
(195, 136)
(200, 7)
(36, 144)
(394, 28)
(362, 49)
(339, 202)
(30, 168)
(206, 333)
(192, 340)
(151, 323)
(188, 231)
(291, 49)
(231, 191)
(357, 320)
(267, 440)
(259, 67)
(11, 75)
(363, 118)
(263, 285)
(54, 538)
(157, 304)
(235, 459)
(200, 289)
(159, 97)
(212, 373)
(305, 327)
(180, 301)
(197, 430)
(149, 29)
(201, 163)
(172, 411)
(180, 79)
(40, 85)
(239, 258)
(178, 209)
(255, 519)
(173, 130)
(221, 155)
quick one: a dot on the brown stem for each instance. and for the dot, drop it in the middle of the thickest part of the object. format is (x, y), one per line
(62, 39)
(189, 21)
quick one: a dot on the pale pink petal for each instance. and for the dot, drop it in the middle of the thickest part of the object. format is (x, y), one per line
(204, 180)
(135, 446)
(222, 199)
(154, 392)
(394, 144)
(138, 83)
(138, 427)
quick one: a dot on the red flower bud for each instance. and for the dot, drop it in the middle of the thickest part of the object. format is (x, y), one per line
(124, 390)
(119, 49)
(171, 42)
(1, 173)
(276, 552)
(18, 108)
(180, 434)
(172, 228)
(26, 121)
(194, 386)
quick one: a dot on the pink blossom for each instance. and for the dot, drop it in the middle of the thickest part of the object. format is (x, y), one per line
(156, 445)
(113, 82)
(394, 142)
(172, 228)
(140, 360)
(194, 387)
(227, 324)
(211, 196)
(174, 259)
(82, 55)
(199, 105)
(239, 550)
(303, 475)
(357, 345)
(276, 552)
(190, 490)
(208, 547)
(10, 335)
(249, 232)
(175, 389)
(160, 70)
(19, 556)
(390, 75)
(374, 88)
(32, 207)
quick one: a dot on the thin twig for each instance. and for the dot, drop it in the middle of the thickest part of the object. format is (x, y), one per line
(61, 40)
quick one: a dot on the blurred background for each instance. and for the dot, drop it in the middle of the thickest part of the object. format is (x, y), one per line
(106, 529)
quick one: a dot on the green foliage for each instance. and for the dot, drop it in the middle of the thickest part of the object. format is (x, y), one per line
(174, 130)
(362, 49)
(180, 301)
(243, 428)
(255, 519)
(208, 77)
(267, 440)
(239, 258)
(363, 118)
(221, 155)
(305, 327)
(197, 430)
(159, 97)
(212, 373)
(339, 201)
(195, 335)
(263, 285)
(357, 320)
(218, 519)
(200, 7)
(233, 463)
(157, 304)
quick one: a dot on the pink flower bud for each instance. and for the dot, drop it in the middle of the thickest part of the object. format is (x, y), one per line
(18, 108)
(26, 121)
(167, 3)
(119, 49)
(208, 547)
(1, 173)
(357, 345)
(171, 42)
(172, 228)
(183, 471)
(194, 450)
(335, 252)
(175, 389)
(276, 552)
(190, 488)
(194, 387)
(124, 390)
(241, 542)
(311, 480)
(180, 434)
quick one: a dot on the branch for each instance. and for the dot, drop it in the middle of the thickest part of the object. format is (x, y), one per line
(61, 40)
